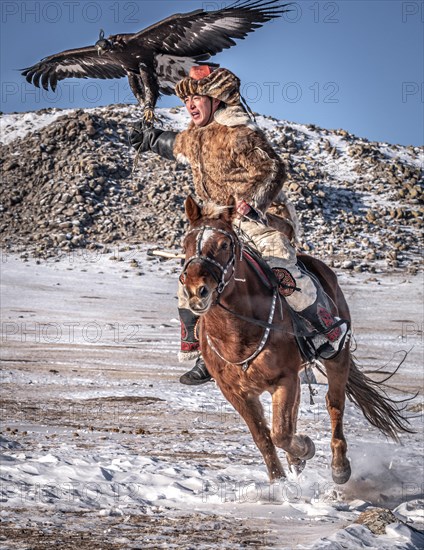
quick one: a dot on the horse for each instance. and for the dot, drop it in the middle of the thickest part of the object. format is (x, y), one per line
(249, 347)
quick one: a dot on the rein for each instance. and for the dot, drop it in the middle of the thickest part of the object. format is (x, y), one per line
(222, 283)
(262, 343)
(252, 320)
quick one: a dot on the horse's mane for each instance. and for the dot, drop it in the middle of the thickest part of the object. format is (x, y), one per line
(213, 211)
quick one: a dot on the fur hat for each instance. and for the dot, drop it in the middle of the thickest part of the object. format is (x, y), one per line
(220, 84)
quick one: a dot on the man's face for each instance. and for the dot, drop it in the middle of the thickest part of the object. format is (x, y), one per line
(201, 108)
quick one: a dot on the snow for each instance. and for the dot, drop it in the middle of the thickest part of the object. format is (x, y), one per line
(399, 153)
(78, 397)
(18, 125)
(95, 424)
(358, 536)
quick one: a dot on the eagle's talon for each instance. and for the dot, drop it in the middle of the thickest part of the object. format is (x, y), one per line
(150, 118)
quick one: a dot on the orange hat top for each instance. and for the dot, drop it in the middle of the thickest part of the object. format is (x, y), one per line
(199, 72)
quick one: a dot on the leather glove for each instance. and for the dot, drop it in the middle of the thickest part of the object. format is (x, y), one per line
(145, 139)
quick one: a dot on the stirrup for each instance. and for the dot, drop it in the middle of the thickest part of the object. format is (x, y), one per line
(197, 375)
(330, 332)
(329, 349)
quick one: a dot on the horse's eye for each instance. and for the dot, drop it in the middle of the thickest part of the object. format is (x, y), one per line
(224, 246)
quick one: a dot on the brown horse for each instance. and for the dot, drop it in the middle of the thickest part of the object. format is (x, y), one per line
(247, 342)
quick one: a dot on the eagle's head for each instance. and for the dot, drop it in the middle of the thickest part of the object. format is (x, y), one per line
(103, 45)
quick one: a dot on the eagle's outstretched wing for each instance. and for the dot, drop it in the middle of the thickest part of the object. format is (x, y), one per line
(156, 58)
(182, 40)
(79, 63)
(200, 32)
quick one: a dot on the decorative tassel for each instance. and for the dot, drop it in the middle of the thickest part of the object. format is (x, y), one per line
(247, 108)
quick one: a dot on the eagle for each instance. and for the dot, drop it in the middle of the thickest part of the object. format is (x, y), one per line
(158, 57)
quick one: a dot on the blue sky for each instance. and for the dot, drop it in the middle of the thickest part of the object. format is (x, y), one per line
(351, 64)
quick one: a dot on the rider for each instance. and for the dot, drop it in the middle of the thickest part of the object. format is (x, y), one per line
(230, 155)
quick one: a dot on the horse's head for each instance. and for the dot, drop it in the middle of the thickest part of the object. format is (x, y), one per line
(209, 247)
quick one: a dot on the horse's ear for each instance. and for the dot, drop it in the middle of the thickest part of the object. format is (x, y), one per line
(192, 210)
(231, 209)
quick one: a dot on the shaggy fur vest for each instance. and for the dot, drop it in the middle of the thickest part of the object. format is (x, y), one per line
(231, 156)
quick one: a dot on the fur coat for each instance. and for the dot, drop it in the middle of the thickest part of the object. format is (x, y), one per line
(231, 156)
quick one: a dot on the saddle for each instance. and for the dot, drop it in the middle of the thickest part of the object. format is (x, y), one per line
(262, 270)
(302, 330)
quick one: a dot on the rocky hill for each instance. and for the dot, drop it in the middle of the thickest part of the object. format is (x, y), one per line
(70, 180)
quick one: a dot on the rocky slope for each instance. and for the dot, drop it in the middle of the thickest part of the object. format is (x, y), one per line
(70, 180)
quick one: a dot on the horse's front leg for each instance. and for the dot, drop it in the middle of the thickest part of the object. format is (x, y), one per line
(251, 410)
(295, 464)
(285, 403)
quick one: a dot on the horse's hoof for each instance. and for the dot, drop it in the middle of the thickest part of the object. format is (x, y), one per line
(275, 476)
(310, 453)
(341, 475)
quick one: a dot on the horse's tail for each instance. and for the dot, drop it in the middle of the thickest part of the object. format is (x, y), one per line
(380, 410)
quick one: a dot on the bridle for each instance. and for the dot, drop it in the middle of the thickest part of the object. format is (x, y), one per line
(222, 283)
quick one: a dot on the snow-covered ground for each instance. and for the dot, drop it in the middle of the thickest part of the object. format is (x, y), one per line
(103, 448)
(18, 125)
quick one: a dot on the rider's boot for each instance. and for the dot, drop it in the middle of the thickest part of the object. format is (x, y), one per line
(190, 349)
(330, 331)
(197, 375)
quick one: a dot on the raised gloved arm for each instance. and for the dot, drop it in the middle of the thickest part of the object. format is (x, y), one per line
(145, 139)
